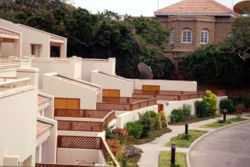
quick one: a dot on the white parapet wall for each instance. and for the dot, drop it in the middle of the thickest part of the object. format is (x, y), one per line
(108, 81)
(70, 67)
(104, 65)
(173, 85)
(83, 156)
(67, 89)
(123, 117)
(169, 106)
(18, 105)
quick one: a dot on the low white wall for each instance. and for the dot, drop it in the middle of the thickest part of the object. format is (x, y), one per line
(18, 124)
(105, 65)
(171, 105)
(123, 117)
(87, 156)
(65, 89)
(125, 86)
(70, 68)
(168, 84)
(8, 72)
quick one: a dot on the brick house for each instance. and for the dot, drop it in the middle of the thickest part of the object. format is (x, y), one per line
(193, 23)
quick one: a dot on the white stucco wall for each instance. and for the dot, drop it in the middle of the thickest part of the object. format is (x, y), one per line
(122, 117)
(18, 124)
(65, 89)
(125, 86)
(104, 65)
(69, 156)
(168, 84)
(69, 68)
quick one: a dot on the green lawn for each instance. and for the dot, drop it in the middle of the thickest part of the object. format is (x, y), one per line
(184, 141)
(221, 123)
(193, 119)
(165, 159)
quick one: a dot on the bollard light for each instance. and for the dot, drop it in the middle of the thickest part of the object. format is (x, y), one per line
(186, 127)
(224, 114)
(173, 147)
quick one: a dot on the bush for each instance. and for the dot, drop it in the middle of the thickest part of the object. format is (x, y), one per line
(135, 129)
(241, 100)
(164, 119)
(227, 104)
(149, 120)
(177, 116)
(186, 110)
(211, 100)
(202, 109)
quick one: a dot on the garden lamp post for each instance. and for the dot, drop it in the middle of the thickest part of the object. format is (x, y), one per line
(186, 127)
(224, 111)
(173, 147)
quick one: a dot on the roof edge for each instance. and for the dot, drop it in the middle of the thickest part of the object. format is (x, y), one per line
(194, 14)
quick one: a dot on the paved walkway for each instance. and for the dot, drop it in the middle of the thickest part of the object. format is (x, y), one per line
(149, 157)
(229, 147)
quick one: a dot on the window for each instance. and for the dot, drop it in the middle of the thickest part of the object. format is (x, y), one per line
(204, 36)
(187, 36)
(172, 37)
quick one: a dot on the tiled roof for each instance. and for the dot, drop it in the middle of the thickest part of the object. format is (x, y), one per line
(41, 128)
(196, 7)
(42, 100)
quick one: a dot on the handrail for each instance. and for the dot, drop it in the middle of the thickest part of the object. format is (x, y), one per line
(15, 83)
(118, 77)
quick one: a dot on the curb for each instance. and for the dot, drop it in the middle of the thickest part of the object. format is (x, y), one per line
(205, 135)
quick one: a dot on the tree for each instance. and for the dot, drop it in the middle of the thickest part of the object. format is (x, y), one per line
(239, 42)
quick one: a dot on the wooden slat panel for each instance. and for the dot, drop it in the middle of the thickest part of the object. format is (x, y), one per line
(151, 87)
(111, 92)
(67, 103)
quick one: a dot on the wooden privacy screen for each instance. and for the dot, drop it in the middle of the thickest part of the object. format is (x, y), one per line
(111, 92)
(151, 87)
(67, 103)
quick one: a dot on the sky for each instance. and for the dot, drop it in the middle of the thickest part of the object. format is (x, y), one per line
(131, 7)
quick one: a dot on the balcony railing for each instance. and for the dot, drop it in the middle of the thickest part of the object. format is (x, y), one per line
(81, 113)
(125, 103)
(83, 142)
(14, 84)
(168, 95)
(92, 123)
(61, 165)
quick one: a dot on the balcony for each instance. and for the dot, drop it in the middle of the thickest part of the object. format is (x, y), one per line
(168, 95)
(125, 103)
(83, 120)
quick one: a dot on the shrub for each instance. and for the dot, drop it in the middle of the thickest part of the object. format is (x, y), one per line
(186, 110)
(202, 109)
(164, 119)
(149, 120)
(135, 129)
(108, 133)
(177, 116)
(227, 104)
(211, 100)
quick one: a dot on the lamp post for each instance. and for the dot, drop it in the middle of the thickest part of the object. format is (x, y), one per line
(186, 127)
(224, 111)
(173, 147)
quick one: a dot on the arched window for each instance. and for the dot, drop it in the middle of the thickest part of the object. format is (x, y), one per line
(204, 37)
(172, 36)
(186, 36)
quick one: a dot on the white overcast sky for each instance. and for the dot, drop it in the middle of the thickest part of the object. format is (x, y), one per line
(131, 7)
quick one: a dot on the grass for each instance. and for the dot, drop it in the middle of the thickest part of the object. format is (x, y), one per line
(165, 159)
(152, 135)
(132, 162)
(221, 123)
(193, 119)
(184, 141)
